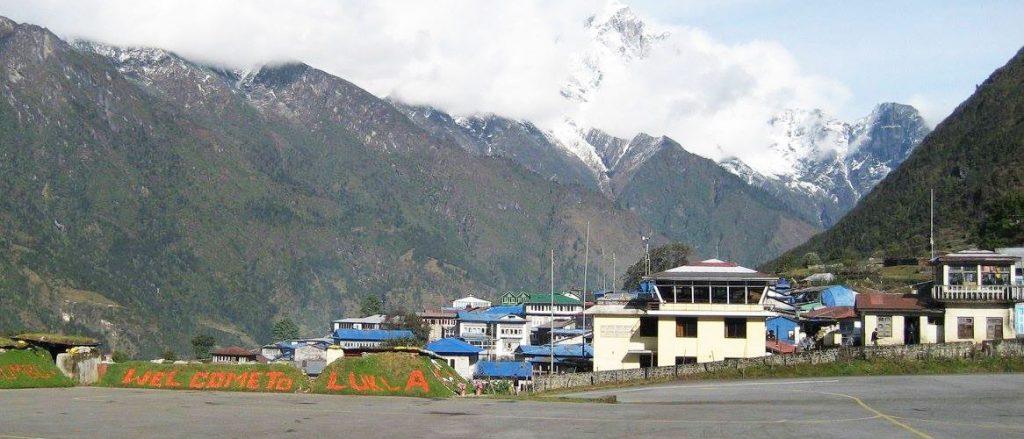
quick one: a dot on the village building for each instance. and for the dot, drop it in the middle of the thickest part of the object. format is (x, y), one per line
(460, 355)
(565, 358)
(538, 306)
(705, 311)
(470, 302)
(979, 290)
(898, 319)
(236, 355)
(831, 326)
(443, 323)
(498, 330)
(368, 338)
(519, 373)
(376, 321)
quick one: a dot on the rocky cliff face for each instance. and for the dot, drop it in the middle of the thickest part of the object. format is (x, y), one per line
(822, 166)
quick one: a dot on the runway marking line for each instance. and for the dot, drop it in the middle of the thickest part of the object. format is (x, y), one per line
(889, 418)
(717, 386)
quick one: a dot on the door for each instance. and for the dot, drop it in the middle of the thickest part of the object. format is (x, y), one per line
(911, 330)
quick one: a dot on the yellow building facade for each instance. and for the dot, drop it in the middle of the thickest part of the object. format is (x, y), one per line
(708, 311)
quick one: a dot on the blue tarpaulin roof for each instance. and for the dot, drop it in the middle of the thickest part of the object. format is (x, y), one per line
(371, 334)
(504, 369)
(565, 350)
(452, 346)
(838, 295)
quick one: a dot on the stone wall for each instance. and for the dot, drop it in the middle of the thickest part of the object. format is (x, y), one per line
(1005, 348)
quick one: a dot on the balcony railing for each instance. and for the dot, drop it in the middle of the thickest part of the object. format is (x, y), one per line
(978, 293)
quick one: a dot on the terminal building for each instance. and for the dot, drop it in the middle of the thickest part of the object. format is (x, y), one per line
(705, 311)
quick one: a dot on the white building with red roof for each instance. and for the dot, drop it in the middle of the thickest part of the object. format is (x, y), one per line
(703, 311)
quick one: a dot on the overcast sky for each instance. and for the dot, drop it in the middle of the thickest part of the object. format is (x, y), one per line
(726, 66)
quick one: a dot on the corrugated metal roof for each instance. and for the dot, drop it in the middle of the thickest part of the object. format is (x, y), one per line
(564, 350)
(492, 314)
(890, 302)
(831, 313)
(234, 351)
(503, 369)
(452, 346)
(371, 334)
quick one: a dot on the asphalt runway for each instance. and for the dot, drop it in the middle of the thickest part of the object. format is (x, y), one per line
(975, 406)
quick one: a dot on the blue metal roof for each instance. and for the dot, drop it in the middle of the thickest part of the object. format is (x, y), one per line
(452, 346)
(492, 314)
(371, 334)
(561, 350)
(504, 369)
(578, 331)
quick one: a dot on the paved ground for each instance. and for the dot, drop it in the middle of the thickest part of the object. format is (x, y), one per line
(973, 406)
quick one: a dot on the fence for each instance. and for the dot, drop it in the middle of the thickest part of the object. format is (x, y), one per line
(1006, 348)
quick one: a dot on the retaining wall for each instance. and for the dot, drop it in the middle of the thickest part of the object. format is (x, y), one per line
(1004, 348)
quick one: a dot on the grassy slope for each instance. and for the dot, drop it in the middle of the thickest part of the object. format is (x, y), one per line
(388, 374)
(21, 369)
(974, 160)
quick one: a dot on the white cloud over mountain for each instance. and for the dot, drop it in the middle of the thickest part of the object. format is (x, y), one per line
(508, 58)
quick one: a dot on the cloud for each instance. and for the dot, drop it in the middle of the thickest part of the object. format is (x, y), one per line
(508, 58)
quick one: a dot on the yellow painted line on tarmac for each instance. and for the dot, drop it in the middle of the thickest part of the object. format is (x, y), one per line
(966, 424)
(714, 386)
(889, 418)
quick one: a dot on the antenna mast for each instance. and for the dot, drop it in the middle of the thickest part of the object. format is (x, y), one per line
(551, 324)
(586, 263)
(931, 221)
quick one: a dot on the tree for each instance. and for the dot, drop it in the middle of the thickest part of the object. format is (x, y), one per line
(1004, 225)
(420, 329)
(169, 355)
(119, 357)
(285, 329)
(201, 345)
(662, 258)
(811, 258)
(371, 305)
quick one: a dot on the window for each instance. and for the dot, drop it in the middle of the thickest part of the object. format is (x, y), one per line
(686, 360)
(686, 327)
(648, 326)
(719, 294)
(994, 328)
(995, 275)
(735, 328)
(963, 274)
(884, 326)
(451, 362)
(737, 294)
(965, 327)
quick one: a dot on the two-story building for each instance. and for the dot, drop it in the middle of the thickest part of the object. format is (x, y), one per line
(978, 289)
(539, 307)
(498, 330)
(376, 321)
(443, 323)
(704, 311)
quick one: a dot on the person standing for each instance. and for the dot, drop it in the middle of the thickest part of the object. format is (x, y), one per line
(874, 337)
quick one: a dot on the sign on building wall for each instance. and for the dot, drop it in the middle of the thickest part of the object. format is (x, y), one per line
(1018, 319)
(617, 331)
